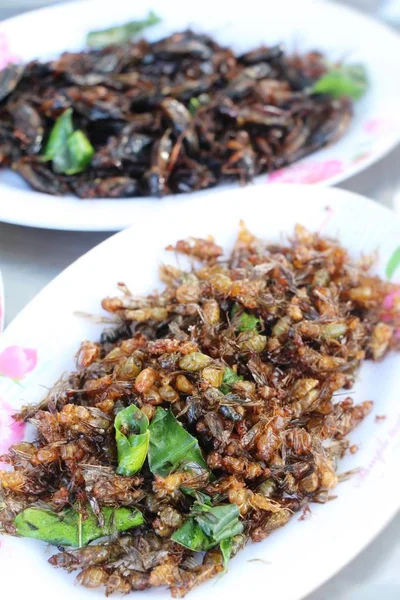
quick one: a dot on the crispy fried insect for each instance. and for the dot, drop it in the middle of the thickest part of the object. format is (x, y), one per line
(46, 455)
(80, 419)
(183, 385)
(169, 486)
(350, 416)
(211, 311)
(212, 565)
(47, 426)
(237, 466)
(109, 489)
(59, 499)
(202, 249)
(299, 440)
(165, 574)
(92, 577)
(270, 523)
(380, 339)
(145, 379)
(87, 557)
(88, 353)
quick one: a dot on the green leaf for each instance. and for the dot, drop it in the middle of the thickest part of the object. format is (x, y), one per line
(57, 142)
(121, 34)
(393, 263)
(67, 528)
(191, 536)
(132, 436)
(229, 379)
(70, 151)
(226, 550)
(345, 80)
(171, 445)
(194, 105)
(197, 102)
(218, 522)
(208, 526)
(235, 309)
(248, 322)
(79, 153)
(201, 497)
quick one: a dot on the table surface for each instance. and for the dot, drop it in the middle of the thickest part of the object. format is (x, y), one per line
(31, 258)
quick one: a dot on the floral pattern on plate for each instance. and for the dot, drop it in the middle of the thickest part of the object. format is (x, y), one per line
(16, 362)
(307, 172)
(11, 431)
(2, 306)
(6, 56)
(375, 131)
(376, 126)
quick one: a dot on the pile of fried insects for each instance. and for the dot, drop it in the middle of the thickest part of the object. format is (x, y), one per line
(174, 116)
(206, 418)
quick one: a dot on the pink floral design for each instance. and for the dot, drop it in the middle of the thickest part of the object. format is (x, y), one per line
(376, 126)
(16, 362)
(312, 172)
(1, 304)
(391, 308)
(6, 56)
(11, 431)
(392, 300)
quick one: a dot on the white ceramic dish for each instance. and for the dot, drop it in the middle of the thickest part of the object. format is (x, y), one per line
(40, 343)
(309, 24)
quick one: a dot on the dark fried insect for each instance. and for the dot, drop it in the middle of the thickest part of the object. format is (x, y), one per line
(173, 116)
(246, 353)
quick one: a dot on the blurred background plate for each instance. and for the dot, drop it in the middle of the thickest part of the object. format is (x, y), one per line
(336, 30)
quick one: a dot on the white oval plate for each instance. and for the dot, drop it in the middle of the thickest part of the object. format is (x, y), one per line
(309, 24)
(39, 345)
